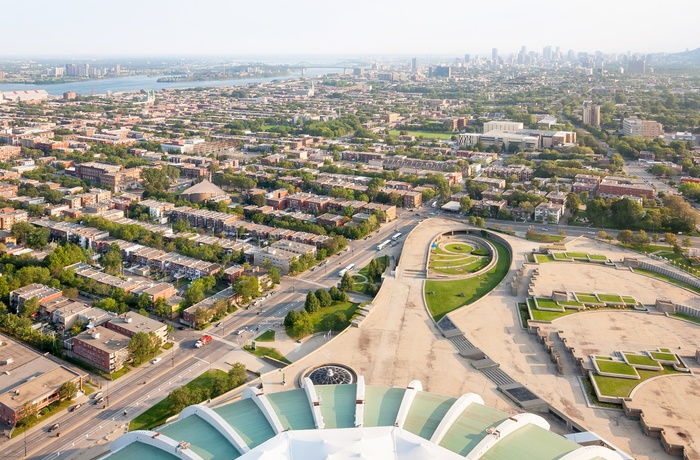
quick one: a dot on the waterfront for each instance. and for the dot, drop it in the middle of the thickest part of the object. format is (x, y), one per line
(144, 82)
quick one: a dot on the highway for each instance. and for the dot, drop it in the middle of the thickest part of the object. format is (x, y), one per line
(91, 423)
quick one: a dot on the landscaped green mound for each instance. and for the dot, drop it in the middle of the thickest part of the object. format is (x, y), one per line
(443, 297)
(458, 258)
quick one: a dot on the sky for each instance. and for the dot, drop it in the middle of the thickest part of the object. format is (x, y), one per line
(337, 28)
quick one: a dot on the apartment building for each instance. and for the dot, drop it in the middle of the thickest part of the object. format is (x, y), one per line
(647, 129)
(502, 125)
(612, 187)
(105, 349)
(131, 323)
(9, 152)
(591, 115)
(549, 212)
(10, 216)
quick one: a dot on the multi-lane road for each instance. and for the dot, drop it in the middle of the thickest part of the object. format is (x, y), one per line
(92, 423)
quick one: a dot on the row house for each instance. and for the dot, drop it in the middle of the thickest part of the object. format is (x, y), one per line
(331, 220)
(490, 208)
(189, 314)
(297, 247)
(43, 293)
(318, 204)
(85, 271)
(202, 218)
(388, 209)
(8, 190)
(84, 237)
(183, 266)
(297, 202)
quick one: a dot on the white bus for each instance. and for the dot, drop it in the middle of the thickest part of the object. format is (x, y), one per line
(381, 246)
(396, 237)
(349, 268)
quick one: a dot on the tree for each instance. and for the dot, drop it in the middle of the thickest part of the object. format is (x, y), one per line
(626, 212)
(312, 305)
(162, 309)
(274, 274)
(465, 204)
(291, 318)
(324, 298)
(337, 295)
(641, 239)
(38, 238)
(201, 316)
(68, 391)
(347, 283)
(603, 235)
(155, 181)
(625, 237)
(572, 202)
(220, 308)
(30, 307)
(194, 293)
(21, 230)
(247, 286)
(301, 327)
(111, 260)
(182, 397)
(670, 238)
(687, 242)
(237, 375)
(140, 347)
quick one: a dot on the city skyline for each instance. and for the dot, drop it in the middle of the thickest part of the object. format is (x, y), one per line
(315, 28)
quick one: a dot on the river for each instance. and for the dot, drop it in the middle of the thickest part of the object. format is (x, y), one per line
(143, 82)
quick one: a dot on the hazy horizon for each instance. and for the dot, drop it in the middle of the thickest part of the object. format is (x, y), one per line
(316, 28)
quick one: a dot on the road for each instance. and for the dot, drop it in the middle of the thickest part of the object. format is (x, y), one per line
(637, 168)
(91, 424)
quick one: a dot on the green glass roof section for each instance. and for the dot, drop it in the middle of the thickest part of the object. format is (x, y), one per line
(337, 405)
(382, 405)
(426, 412)
(247, 420)
(141, 450)
(470, 428)
(531, 443)
(204, 439)
(293, 409)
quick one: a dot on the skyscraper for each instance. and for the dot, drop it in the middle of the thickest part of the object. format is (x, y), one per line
(547, 53)
(494, 54)
(414, 65)
(591, 114)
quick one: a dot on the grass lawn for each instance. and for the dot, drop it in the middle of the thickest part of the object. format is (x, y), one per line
(597, 257)
(621, 388)
(455, 269)
(577, 255)
(542, 258)
(629, 300)
(668, 279)
(642, 360)
(267, 336)
(447, 295)
(586, 298)
(590, 391)
(664, 356)
(347, 308)
(168, 345)
(542, 315)
(561, 256)
(426, 134)
(694, 319)
(613, 298)
(670, 255)
(267, 351)
(160, 412)
(459, 248)
(543, 302)
(616, 367)
(464, 260)
(544, 237)
(570, 303)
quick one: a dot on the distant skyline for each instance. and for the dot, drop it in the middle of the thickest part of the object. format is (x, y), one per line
(326, 27)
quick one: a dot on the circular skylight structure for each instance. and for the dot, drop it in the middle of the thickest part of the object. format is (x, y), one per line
(332, 374)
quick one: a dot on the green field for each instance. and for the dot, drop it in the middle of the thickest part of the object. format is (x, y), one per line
(616, 367)
(451, 262)
(542, 258)
(641, 360)
(663, 356)
(629, 300)
(266, 351)
(426, 134)
(463, 269)
(459, 248)
(610, 298)
(347, 308)
(570, 303)
(668, 279)
(160, 412)
(577, 255)
(543, 302)
(450, 295)
(586, 298)
(267, 336)
(621, 388)
(597, 257)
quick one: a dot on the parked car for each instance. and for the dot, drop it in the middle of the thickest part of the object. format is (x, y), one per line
(155, 360)
(75, 408)
(97, 395)
(54, 427)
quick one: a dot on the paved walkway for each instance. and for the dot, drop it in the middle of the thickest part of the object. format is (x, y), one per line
(399, 342)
